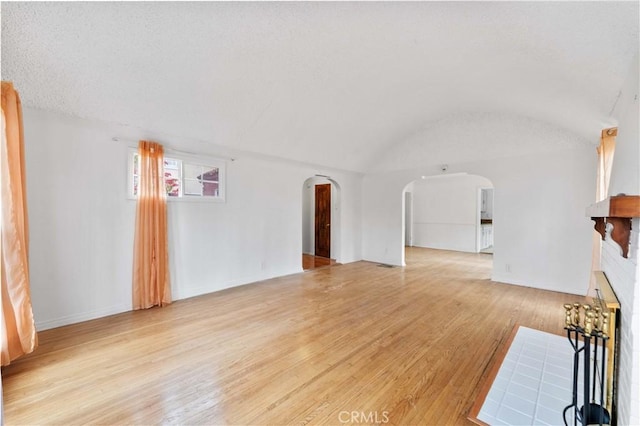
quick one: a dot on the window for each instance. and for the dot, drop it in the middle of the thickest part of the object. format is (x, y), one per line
(185, 177)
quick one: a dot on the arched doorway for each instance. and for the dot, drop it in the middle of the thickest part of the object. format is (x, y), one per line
(320, 222)
(448, 212)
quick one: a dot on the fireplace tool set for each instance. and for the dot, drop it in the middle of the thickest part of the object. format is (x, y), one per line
(589, 323)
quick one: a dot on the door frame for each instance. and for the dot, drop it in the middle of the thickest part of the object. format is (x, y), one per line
(408, 219)
(479, 216)
(308, 216)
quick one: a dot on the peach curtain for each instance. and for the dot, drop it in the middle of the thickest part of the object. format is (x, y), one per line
(18, 327)
(605, 151)
(151, 284)
(605, 162)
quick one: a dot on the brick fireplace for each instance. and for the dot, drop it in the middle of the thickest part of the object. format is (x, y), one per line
(623, 273)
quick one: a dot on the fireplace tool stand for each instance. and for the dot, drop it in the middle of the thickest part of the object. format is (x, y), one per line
(591, 329)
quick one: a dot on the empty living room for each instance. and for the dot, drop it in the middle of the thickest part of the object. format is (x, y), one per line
(331, 213)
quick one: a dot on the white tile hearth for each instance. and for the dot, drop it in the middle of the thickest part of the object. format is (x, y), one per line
(533, 384)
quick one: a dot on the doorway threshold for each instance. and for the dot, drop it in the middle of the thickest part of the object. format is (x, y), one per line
(310, 262)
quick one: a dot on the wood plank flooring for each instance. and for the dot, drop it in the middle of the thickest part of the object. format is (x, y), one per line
(408, 345)
(312, 262)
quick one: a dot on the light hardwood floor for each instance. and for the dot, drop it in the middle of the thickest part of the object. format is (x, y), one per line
(411, 345)
(313, 262)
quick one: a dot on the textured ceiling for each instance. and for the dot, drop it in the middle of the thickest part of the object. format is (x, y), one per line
(335, 84)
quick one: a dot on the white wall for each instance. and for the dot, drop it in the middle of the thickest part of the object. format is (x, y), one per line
(309, 214)
(445, 212)
(624, 274)
(540, 231)
(81, 222)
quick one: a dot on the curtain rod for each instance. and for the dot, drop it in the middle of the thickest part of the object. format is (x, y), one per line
(177, 151)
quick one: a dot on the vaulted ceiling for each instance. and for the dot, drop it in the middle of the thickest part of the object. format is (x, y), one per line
(336, 84)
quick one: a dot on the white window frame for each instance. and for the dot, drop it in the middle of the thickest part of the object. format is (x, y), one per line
(198, 160)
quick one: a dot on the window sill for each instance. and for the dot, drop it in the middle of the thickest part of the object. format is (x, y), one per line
(172, 200)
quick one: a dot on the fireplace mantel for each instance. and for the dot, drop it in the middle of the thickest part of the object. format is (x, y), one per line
(618, 211)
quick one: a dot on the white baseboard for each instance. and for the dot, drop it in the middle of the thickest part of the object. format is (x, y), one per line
(185, 293)
(178, 294)
(80, 317)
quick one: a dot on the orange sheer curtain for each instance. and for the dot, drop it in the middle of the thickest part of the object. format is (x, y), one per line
(151, 285)
(605, 163)
(18, 327)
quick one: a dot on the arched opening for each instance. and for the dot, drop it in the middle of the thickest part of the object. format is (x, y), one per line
(448, 212)
(320, 222)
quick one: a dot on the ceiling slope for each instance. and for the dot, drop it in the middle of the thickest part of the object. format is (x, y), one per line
(335, 84)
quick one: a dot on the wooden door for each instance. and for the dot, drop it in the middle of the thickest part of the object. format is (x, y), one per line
(323, 220)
